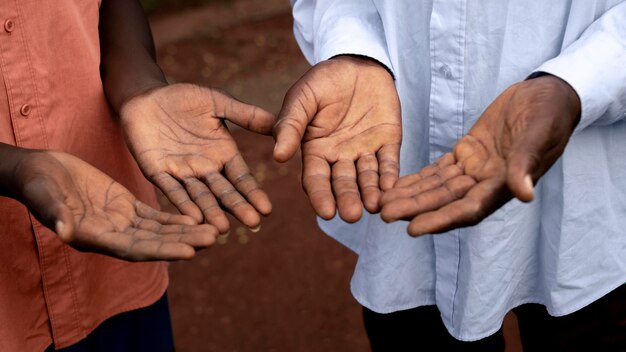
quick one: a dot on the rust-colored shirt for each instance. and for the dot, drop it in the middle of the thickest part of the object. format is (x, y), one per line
(51, 97)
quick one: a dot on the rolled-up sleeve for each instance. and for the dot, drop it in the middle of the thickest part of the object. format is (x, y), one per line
(595, 66)
(327, 28)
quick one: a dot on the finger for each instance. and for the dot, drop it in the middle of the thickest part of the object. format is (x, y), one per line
(205, 200)
(299, 108)
(521, 165)
(232, 200)
(389, 165)
(426, 184)
(346, 191)
(239, 175)
(177, 194)
(477, 204)
(450, 190)
(145, 250)
(316, 183)
(145, 211)
(197, 236)
(446, 160)
(135, 248)
(244, 115)
(367, 172)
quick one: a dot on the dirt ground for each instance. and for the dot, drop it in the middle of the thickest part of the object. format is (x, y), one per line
(285, 288)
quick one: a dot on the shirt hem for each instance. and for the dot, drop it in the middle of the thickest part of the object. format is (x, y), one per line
(160, 291)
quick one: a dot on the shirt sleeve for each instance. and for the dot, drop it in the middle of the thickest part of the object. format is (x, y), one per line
(327, 28)
(595, 66)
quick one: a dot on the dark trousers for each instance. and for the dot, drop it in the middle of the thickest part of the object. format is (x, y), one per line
(147, 329)
(601, 326)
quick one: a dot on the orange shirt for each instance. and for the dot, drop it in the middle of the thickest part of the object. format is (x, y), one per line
(51, 97)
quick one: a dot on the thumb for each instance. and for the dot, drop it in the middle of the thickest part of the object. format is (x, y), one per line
(244, 115)
(45, 200)
(294, 117)
(521, 165)
(64, 225)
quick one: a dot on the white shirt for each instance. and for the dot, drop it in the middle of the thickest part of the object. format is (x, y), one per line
(451, 59)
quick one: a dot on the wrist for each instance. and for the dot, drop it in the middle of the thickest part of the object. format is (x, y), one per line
(362, 60)
(561, 87)
(136, 95)
(12, 157)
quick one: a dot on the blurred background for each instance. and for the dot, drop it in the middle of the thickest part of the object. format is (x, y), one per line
(285, 288)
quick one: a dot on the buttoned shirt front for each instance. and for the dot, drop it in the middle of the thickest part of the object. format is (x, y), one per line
(451, 59)
(51, 97)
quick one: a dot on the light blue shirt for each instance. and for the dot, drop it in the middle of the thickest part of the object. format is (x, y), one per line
(451, 59)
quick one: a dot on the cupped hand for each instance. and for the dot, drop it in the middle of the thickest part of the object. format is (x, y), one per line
(514, 142)
(345, 114)
(181, 143)
(91, 212)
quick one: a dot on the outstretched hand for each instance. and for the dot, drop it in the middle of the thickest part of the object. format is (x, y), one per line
(181, 143)
(515, 141)
(345, 114)
(91, 212)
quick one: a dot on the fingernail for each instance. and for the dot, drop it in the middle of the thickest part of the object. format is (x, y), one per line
(222, 238)
(255, 229)
(60, 226)
(528, 182)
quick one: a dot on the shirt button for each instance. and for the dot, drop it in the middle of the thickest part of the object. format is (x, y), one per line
(445, 70)
(9, 26)
(25, 110)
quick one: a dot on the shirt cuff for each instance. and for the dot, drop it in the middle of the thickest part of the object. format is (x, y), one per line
(594, 68)
(352, 36)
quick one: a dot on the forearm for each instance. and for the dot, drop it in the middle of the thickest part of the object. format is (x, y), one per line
(128, 66)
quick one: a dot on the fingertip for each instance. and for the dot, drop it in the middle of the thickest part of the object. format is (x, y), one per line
(282, 152)
(372, 207)
(63, 231)
(386, 215)
(186, 253)
(222, 225)
(64, 224)
(350, 214)
(266, 119)
(263, 206)
(387, 182)
(326, 212)
(193, 214)
(250, 218)
(209, 237)
(415, 229)
(523, 189)
(185, 220)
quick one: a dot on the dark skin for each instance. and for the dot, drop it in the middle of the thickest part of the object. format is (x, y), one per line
(177, 132)
(345, 115)
(91, 212)
(514, 142)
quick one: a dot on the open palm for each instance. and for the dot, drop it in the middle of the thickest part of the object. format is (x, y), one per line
(181, 143)
(515, 141)
(92, 212)
(345, 114)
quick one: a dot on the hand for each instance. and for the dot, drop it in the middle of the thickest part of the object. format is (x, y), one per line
(345, 113)
(515, 141)
(91, 212)
(182, 145)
